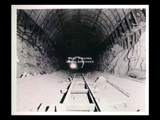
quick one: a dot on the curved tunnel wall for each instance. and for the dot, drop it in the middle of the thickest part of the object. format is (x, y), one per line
(60, 33)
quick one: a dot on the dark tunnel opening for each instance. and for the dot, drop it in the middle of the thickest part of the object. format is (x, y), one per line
(62, 33)
(79, 43)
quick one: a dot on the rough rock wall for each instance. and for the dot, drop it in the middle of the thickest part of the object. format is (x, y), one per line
(126, 62)
(137, 59)
(31, 61)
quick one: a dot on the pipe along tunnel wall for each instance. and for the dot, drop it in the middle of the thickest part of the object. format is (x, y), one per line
(115, 39)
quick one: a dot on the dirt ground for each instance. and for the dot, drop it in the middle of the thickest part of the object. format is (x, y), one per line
(109, 91)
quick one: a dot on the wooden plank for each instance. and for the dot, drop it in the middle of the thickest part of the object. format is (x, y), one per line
(79, 91)
(78, 86)
(80, 107)
(78, 83)
(78, 99)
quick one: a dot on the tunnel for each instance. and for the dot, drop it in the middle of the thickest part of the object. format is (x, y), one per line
(105, 48)
(62, 33)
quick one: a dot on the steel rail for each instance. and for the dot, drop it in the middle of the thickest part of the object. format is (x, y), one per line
(65, 99)
(93, 97)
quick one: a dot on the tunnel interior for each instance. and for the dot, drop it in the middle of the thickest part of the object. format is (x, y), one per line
(77, 43)
(63, 33)
(49, 40)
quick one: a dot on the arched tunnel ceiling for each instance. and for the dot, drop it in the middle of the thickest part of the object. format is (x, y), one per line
(56, 23)
(75, 32)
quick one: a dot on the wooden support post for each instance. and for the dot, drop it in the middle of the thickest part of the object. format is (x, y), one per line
(117, 36)
(134, 16)
(124, 44)
(133, 40)
(127, 23)
(128, 42)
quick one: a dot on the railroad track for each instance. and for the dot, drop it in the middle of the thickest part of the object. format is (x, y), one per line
(77, 98)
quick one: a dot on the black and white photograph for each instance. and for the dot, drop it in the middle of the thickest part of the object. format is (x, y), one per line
(80, 59)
